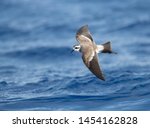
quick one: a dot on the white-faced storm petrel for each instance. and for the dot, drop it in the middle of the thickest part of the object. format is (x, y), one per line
(89, 51)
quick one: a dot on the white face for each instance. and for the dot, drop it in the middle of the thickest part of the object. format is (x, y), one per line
(76, 48)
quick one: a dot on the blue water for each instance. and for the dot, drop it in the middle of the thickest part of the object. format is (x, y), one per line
(38, 72)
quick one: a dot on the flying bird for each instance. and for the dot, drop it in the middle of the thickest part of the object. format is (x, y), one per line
(89, 51)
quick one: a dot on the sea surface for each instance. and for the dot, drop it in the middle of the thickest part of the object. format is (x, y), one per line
(38, 71)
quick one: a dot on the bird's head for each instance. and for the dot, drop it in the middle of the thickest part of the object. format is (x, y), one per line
(76, 48)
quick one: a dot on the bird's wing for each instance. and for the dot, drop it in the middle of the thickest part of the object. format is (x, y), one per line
(83, 35)
(93, 65)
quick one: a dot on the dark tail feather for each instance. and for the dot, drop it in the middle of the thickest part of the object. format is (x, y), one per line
(107, 48)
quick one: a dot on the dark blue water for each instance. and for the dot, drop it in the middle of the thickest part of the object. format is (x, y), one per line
(38, 72)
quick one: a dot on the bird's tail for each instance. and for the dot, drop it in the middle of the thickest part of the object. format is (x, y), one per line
(107, 48)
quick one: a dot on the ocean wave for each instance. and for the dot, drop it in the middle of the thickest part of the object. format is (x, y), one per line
(44, 53)
(48, 92)
(7, 31)
(135, 25)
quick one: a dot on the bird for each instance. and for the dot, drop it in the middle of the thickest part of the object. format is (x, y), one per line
(90, 50)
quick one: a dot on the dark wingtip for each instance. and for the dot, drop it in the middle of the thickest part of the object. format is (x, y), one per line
(83, 27)
(103, 79)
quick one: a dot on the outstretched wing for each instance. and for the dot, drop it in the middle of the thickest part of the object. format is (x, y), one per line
(93, 66)
(83, 35)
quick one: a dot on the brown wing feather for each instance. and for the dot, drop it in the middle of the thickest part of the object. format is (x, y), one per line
(83, 35)
(94, 67)
(84, 31)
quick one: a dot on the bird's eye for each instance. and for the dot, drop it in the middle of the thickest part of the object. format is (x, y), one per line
(76, 48)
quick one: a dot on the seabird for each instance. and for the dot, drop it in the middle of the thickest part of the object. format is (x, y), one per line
(89, 50)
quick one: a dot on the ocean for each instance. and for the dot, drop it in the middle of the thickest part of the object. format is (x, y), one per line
(38, 71)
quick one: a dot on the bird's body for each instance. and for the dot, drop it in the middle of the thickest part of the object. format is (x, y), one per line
(89, 51)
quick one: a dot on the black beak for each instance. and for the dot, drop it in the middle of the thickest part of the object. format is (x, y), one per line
(72, 51)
